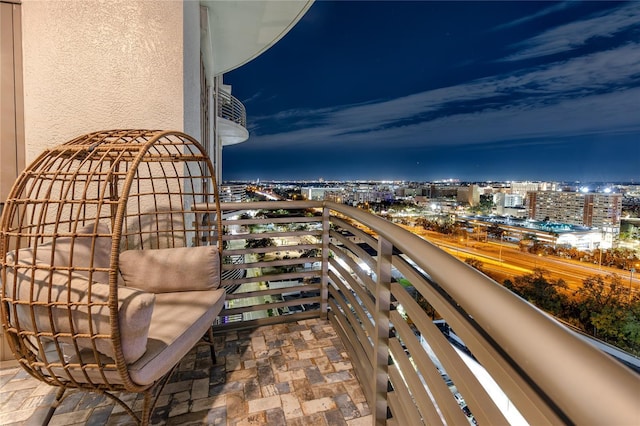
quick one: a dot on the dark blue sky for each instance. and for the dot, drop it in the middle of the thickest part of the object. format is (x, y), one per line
(427, 90)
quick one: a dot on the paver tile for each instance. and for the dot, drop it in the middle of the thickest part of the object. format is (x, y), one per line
(285, 374)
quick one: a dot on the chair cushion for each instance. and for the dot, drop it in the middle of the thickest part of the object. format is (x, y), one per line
(75, 253)
(171, 269)
(179, 321)
(69, 304)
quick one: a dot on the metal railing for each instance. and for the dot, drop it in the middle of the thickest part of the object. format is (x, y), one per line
(344, 264)
(230, 108)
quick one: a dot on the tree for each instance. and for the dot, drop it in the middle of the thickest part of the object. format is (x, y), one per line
(537, 247)
(485, 206)
(421, 222)
(495, 231)
(631, 326)
(601, 305)
(260, 243)
(540, 291)
(475, 263)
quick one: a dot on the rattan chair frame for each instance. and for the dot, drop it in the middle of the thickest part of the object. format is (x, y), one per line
(141, 184)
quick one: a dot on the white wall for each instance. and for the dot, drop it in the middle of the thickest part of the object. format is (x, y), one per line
(191, 69)
(99, 65)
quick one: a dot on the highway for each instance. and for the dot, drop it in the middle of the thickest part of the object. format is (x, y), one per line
(505, 260)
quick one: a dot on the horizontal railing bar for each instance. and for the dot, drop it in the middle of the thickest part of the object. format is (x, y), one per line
(269, 234)
(401, 398)
(272, 220)
(362, 293)
(361, 326)
(354, 328)
(405, 380)
(359, 233)
(439, 389)
(272, 291)
(271, 249)
(272, 234)
(356, 352)
(355, 249)
(267, 306)
(230, 108)
(532, 406)
(476, 396)
(368, 324)
(367, 281)
(272, 277)
(397, 408)
(268, 263)
(259, 322)
(259, 205)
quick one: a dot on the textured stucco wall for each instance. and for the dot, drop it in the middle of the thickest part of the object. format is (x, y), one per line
(92, 65)
(191, 69)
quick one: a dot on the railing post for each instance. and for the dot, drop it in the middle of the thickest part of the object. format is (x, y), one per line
(324, 291)
(381, 338)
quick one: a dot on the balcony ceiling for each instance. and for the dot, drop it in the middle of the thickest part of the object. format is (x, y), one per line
(235, 32)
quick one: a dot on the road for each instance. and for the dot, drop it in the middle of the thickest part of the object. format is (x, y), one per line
(507, 261)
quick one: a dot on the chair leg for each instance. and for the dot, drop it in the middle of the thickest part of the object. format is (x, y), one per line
(213, 351)
(145, 417)
(54, 405)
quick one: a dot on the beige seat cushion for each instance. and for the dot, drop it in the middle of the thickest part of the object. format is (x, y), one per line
(172, 269)
(65, 296)
(179, 321)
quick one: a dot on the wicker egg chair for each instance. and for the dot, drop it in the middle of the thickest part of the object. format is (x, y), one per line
(105, 284)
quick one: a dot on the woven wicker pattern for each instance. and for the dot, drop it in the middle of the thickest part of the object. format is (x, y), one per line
(68, 217)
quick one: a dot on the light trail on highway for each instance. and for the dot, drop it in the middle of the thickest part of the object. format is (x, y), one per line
(508, 261)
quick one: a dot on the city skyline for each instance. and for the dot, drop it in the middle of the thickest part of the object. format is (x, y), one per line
(604, 186)
(434, 90)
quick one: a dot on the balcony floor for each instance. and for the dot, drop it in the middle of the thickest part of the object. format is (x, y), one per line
(285, 374)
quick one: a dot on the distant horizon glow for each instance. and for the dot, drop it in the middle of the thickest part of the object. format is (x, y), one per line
(607, 187)
(419, 91)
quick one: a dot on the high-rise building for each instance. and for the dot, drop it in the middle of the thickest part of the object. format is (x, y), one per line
(523, 187)
(576, 208)
(314, 193)
(504, 202)
(469, 194)
(513, 200)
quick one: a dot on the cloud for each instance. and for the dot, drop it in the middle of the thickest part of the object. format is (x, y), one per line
(576, 34)
(253, 97)
(544, 12)
(593, 94)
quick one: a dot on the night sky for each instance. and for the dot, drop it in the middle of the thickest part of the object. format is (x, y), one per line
(427, 90)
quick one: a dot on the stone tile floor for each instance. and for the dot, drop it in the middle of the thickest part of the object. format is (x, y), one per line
(285, 374)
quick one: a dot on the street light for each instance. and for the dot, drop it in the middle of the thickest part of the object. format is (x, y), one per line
(600, 258)
(631, 271)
